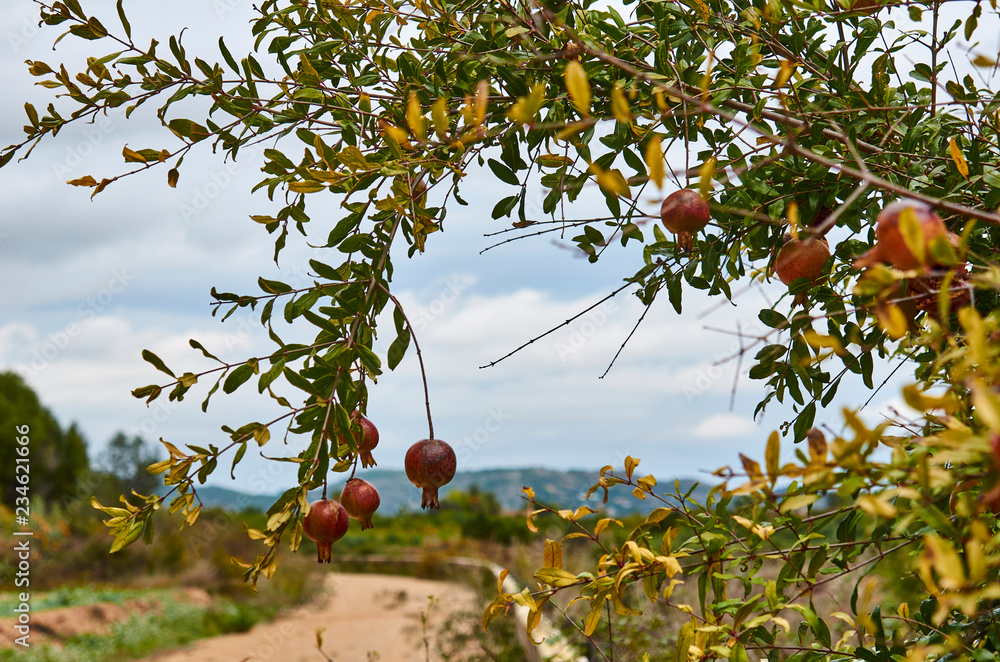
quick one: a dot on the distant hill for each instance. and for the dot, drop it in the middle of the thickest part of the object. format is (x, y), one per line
(564, 489)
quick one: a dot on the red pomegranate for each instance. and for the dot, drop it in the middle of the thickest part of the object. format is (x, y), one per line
(325, 524)
(430, 463)
(891, 247)
(360, 499)
(684, 212)
(367, 441)
(801, 258)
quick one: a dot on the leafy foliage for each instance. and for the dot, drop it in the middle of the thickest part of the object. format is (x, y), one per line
(805, 116)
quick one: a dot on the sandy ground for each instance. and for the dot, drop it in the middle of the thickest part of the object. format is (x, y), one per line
(367, 617)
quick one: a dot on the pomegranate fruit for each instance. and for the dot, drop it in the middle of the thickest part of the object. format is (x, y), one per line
(684, 212)
(325, 524)
(801, 258)
(430, 463)
(360, 499)
(365, 443)
(891, 247)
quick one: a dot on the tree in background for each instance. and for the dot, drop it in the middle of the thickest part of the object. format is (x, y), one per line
(127, 459)
(804, 118)
(58, 457)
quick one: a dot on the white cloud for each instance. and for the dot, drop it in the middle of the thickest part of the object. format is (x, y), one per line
(724, 425)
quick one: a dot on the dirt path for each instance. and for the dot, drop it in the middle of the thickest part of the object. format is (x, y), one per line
(364, 614)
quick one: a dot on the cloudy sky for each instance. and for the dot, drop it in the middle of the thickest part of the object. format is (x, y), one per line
(91, 283)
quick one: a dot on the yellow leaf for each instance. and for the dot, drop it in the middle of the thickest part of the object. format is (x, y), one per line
(913, 233)
(630, 464)
(535, 618)
(530, 524)
(526, 108)
(777, 620)
(612, 182)
(647, 483)
(604, 523)
(556, 577)
(987, 408)
(818, 341)
(619, 105)
(392, 131)
(771, 456)
(553, 554)
(945, 561)
(132, 156)
(83, 181)
(553, 160)
(159, 467)
(305, 187)
(172, 176)
(983, 61)
(784, 74)
(877, 505)
(578, 87)
(958, 158)
(706, 176)
(594, 617)
(892, 320)
(415, 117)
(796, 502)
(501, 579)
(752, 467)
(685, 640)
(793, 219)
(439, 114)
(654, 160)
(479, 108)
(661, 102)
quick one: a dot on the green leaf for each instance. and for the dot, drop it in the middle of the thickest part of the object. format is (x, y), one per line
(397, 350)
(124, 20)
(187, 129)
(156, 362)
(126, 537)
(503, 173)
(298, 381)
(237, 378)
(273, 286)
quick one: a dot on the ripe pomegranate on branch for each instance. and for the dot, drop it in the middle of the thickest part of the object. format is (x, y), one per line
(684, 213)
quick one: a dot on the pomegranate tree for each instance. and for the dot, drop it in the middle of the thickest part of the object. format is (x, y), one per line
(430, 463)
(360, 499)
(684, 212)
(325, 524)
